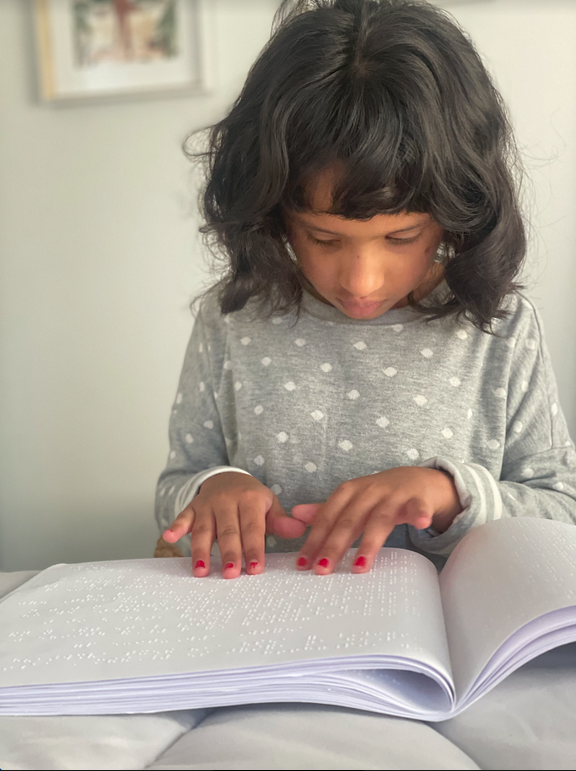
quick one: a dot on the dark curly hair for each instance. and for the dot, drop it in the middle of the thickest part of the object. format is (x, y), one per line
(395, 93)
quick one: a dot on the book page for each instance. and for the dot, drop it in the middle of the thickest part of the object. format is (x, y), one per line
(499, 578)
(150, 617)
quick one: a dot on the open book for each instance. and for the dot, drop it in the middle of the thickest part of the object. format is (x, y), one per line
(146, 636)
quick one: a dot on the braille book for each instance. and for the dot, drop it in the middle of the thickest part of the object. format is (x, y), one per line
(145, 635)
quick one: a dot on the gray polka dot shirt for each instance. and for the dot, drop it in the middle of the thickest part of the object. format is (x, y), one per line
(305, 404)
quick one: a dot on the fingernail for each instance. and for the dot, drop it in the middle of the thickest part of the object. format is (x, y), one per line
(253, 565)
(228, 565)
(199, 564)
(323, 562)
(302, 562)
(360, 562)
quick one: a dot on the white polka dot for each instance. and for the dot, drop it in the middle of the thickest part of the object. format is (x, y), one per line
(345, 445)
(390, 371)
(215, 394)
(330, 323)
(517, 426)
(558, 486)
(462, 334)
(531, 344)
(237, 385)
(310, 467)
(554, 409)
(270, 541)
(300, 342)
(524, 385)
(239, 436)
(276, 489)
(413, 454)
(511, 342)
(179, 399)
(420, 400)
(568, 443)
(317, 415)
(259, 409)
(245, 340)
(427, 353)
(447, 433)
(493, 444)
(500, 393)
(226, 319)
(469, 414)
(282, 436)
(383, 421)
(528, 472)
(174, 412)
(208, 424)
(173, 454)
(266, 361)
(202, 385)
(353, 394)
(397, 327)
(289, 386)
(361, 345)
(162, 492)
(189, 438)
(277, 320)
(259, 460)
(454, 382)
(200, 348)
(326, 367)
(227, 365)
(171, 490)
(511, 496)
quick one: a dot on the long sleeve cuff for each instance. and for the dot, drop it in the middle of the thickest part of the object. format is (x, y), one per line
(479, 497)
(189, 490)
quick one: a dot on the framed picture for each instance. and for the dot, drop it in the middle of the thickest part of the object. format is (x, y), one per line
(112, 48)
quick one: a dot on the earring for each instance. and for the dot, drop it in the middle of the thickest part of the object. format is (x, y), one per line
(444, 253)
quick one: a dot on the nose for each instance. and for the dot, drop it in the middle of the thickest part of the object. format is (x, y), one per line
(361, 275)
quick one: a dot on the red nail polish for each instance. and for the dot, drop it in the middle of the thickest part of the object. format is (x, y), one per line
(360, 562)
(199, 564)
(228, 565)
(323, 562)
(302, 562)
(253, 565)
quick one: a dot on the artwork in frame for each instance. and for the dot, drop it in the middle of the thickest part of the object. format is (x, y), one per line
(113, 48)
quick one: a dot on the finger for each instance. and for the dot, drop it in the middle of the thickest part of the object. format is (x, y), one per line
(229, 539)
(325, 518)
(280, 524)
(181, 525)
(253, 532)
(345, 531)
(416, 512)
(201, 541)
(306, 512)
(378, 527)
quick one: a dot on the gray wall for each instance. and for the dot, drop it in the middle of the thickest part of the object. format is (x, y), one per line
(99, 258)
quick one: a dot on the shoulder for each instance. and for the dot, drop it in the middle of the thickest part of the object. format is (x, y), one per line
(523, 320)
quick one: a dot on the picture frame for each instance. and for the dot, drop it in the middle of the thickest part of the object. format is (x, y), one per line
(113, 49)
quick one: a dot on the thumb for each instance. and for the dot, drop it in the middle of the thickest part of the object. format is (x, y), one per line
(306, 512)
(280, 524)
(417, 513)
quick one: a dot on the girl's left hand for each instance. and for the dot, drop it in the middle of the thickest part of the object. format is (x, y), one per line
(374, 505)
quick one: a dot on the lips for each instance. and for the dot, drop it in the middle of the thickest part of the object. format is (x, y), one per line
(362, 309)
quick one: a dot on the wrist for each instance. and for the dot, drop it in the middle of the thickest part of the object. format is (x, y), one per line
(449, 506)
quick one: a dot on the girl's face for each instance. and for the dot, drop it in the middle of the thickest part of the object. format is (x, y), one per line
(364, 267)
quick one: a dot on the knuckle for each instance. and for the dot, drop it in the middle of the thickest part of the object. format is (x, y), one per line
(347, 523)
(253, 526)
(202, 527)
(228, 531)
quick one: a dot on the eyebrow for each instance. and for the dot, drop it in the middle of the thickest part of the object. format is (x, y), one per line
(333, 233)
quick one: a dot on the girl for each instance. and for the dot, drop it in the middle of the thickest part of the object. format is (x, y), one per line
(367, 364)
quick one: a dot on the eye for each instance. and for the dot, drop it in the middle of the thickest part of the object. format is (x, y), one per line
(320, 243)
(403, 240)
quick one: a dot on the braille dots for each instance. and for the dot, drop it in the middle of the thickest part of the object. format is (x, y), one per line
(282, 437)
(493, 444)
(345, 445)
(383, 421)
(266, 361)
(413, 454)
(310, 467)
(317, 415)
(259, 460)
(390, 371)
(189, 438)
(179, 399)
(300, 342)
(208, 424)
(420, 400)
(353, 394)
(360, 345)
(259, 409)
(427, 353)
(500, 393)
(326, 367)
(289, 386)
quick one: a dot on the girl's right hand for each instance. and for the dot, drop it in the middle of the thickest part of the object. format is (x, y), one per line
(238, 511)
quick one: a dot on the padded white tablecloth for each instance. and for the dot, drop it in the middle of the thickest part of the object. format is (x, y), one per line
(527, 722)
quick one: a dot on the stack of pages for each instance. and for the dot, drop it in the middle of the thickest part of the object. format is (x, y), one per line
(140, 636)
